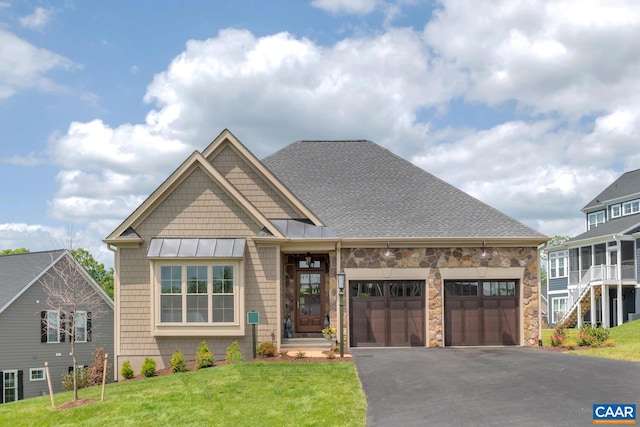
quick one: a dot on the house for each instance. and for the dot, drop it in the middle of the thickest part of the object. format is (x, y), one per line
(28, 336)
(225, 234)
(601, 264)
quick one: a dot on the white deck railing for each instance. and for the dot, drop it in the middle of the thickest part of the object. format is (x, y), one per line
(598, 274)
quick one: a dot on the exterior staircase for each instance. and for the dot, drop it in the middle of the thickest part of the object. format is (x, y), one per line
(583, 300)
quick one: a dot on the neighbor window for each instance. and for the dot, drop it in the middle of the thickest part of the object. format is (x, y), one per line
(616, 211)
(557, 264)
(559, 309)
(53, 326)
(595, 218)
(81, 326)
(10, 384)
(37, 374)
(631, 207)
(203, 294)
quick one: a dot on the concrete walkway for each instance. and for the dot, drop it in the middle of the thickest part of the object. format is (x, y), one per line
(489, 386)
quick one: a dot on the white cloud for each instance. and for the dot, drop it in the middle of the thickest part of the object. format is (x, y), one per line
(360, 7)
(574, 78)
(37, 20)
(31, 159)
(24, 66)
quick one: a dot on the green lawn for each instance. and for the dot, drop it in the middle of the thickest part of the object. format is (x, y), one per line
(626, 337)
(245, 394)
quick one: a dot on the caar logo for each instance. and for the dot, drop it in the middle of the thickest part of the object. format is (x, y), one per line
(620, 413)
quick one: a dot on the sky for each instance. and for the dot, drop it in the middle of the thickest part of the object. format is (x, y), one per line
(532, 107)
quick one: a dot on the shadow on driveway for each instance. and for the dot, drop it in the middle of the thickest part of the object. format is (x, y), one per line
(489, 386)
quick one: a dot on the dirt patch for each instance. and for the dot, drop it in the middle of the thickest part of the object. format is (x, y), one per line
(76, 403)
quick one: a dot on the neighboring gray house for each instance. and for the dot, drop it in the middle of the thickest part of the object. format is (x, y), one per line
(27, 342)
(601, 264)
(424, 263)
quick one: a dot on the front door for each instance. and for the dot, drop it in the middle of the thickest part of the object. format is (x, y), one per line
(310, 295)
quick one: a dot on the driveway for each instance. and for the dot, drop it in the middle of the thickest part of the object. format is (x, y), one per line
(489, 386)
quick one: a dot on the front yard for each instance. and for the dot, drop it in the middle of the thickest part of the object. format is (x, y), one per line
(243, 394)
(626, 338)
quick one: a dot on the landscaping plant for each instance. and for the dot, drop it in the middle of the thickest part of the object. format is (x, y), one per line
(177, 362)
(148, 367)
(233, 353)
(204, 357)
(266, 349)
(127, 370)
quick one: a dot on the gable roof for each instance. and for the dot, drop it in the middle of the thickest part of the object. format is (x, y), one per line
(19, 271)
(628, 184)
(125, 229)
(362, 190)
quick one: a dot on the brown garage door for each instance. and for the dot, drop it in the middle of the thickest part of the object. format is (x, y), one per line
(387, 313)
(481, 312)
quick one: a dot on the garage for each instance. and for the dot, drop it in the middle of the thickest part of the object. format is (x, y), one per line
(387, 313)
(481, 312)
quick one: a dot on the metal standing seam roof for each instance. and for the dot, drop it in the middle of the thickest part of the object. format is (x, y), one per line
(19, 270)
(297, 229)
(196, 248)
(627, 184)
(362, 190)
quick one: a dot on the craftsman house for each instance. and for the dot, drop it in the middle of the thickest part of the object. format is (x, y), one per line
(31, 332)
(594, 276)
(425, 263)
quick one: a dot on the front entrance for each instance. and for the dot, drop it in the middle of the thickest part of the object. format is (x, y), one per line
(310, 300)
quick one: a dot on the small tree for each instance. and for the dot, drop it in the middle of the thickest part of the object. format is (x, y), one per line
(69, 291)
(204, 357)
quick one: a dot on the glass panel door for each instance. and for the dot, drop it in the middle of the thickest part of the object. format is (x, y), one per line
(310, 294)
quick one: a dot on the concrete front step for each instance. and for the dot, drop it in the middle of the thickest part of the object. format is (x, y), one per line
(303, 343)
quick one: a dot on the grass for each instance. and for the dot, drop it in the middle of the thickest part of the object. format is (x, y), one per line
(626, 338)
(244, 394)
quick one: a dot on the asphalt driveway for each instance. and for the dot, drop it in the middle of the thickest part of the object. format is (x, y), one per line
(489, 386)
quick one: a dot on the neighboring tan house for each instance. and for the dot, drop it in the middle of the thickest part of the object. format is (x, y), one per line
(27, 341)
(602, 261)
(426, 264)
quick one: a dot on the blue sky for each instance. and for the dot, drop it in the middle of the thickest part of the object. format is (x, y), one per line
(532, 107)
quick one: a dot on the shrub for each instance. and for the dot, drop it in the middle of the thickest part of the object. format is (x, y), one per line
(204, 357)
(331, 355)
(233, 353)
(81, 379)
(282, 353)
(95, 371)
(569, 344)
(558, 337)
(148, 367)
(126, 371)
(300, 355)
(177, 362)
(335, 348)
(266, 349)
(592, 336)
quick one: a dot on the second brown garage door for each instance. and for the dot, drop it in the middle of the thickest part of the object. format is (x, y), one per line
(482, 312)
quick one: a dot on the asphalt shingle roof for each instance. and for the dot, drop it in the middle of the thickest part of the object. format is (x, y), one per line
(611, 227)
(360, 189)
(18, 270)
(627, 184)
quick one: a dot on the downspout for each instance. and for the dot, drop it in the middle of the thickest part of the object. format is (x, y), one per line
(116, 309)
(541, 246)
(339, 269)
(620, 317)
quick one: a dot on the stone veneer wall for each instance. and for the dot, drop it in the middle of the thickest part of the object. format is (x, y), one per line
(442, 258)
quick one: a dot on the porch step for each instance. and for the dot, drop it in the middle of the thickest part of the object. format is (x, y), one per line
(308, 343)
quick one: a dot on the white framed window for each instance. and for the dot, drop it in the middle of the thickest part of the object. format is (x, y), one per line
(558, 264)
(10, 386)
(205, 296)
(629, 208)
(559, 309)
(37, 374)
(595, 218)
(53, 326)
(616, 211)
(81, 326)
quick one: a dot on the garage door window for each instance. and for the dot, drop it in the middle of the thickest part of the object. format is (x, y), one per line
(461, 289)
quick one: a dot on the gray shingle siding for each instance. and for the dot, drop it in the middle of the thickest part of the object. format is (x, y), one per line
(362, 190)
(637, 259)
(558, 283)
